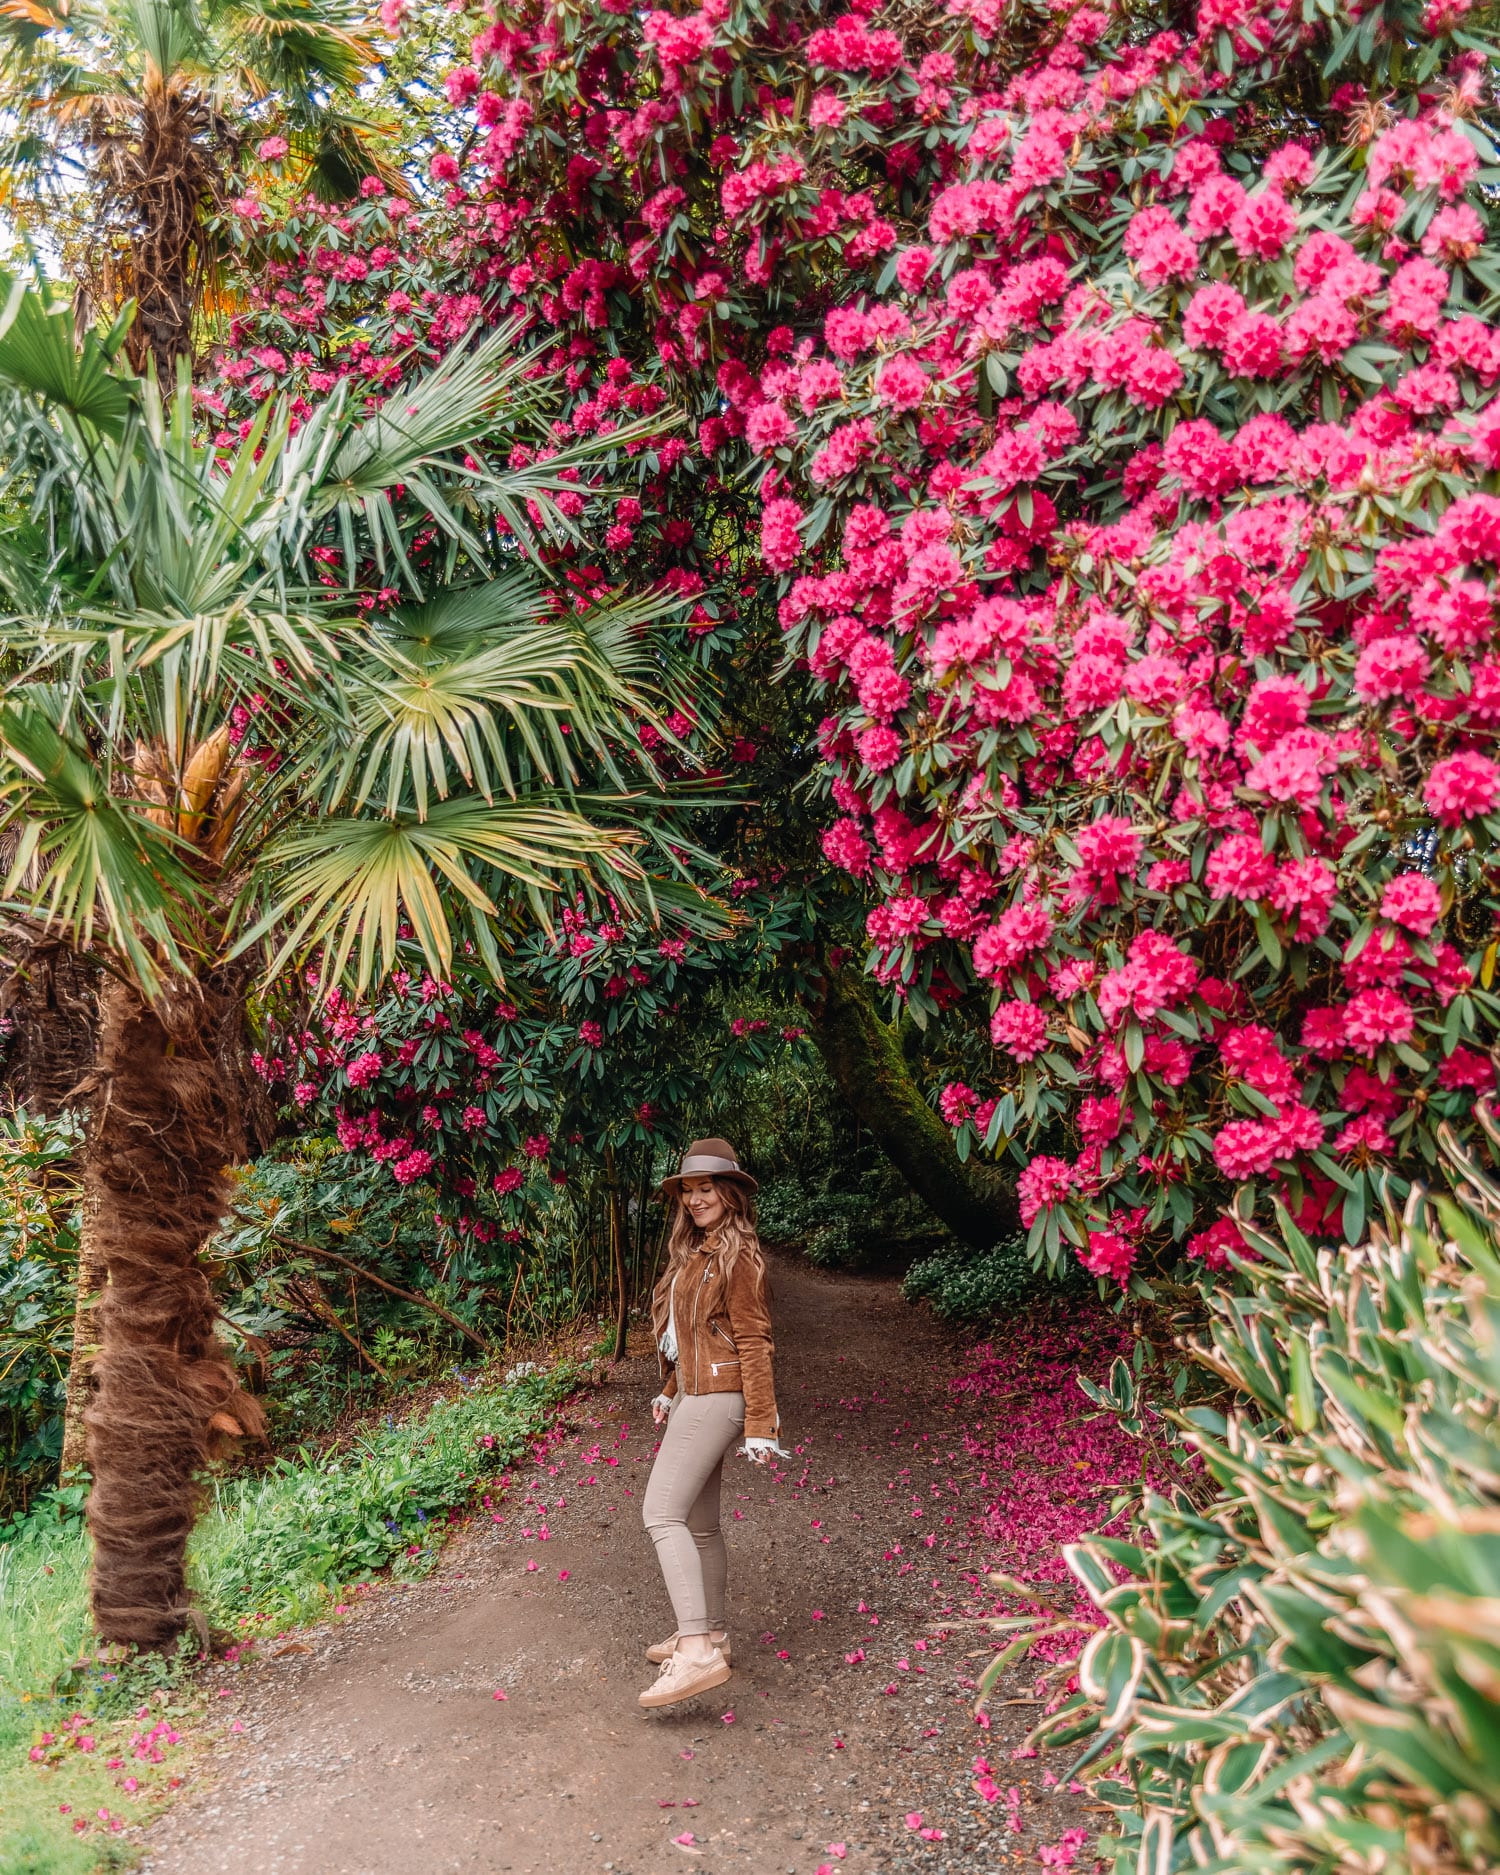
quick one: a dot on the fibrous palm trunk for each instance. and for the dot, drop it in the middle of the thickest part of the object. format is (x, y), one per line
(159, 170)
(164, 1130)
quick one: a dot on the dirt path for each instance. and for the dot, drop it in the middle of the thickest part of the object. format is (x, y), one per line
(385, 1751)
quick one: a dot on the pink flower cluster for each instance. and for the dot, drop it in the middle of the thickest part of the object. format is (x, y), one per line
(1136, 523)
(1182, 713)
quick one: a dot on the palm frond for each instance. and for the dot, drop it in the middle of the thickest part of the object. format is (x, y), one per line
(454, 691)
(526, 494)
(442, 770)
(28, 20)
(332, 152)
(40, 355)
(298, 47)
(87, 865)
(345, 886)
(169, 33)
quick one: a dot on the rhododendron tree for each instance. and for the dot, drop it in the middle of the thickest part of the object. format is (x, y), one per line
(1160, 634)
(1120, 411)
(609, 1029)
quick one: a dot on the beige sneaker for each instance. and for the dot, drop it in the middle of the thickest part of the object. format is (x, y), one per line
(681, 1679)
(664, 1650)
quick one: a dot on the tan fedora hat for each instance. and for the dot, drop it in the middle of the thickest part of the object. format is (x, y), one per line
(709, 1158)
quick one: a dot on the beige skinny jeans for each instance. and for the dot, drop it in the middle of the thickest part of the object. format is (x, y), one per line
(681, 1508)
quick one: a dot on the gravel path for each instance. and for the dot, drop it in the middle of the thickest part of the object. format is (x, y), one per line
(383, 1749)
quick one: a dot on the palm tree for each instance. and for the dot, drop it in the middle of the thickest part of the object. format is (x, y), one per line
(215, 766)
(129, 126)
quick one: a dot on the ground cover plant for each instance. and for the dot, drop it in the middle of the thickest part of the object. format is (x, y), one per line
(960, 1285)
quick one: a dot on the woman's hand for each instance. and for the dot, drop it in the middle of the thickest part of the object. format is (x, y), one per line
(660, 1407)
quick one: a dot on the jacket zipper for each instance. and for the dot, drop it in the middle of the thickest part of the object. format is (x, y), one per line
(713, 1366)
(696, 1300)
(697, 1306)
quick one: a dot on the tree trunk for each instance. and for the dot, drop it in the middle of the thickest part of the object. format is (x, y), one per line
(863, 1054)
(164, 1130)
(90, 1281)
(617, 1239)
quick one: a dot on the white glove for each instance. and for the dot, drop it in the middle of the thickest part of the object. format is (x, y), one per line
(660, 1407)
(761, 1451)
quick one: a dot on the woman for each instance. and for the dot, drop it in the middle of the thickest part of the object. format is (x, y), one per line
(711, 1313)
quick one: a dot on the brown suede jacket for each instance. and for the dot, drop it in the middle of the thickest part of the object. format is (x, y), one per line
(724, 1340)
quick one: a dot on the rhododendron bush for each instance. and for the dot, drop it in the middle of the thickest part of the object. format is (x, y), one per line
(1161, 636)
(1120, 407)
(612, 1030)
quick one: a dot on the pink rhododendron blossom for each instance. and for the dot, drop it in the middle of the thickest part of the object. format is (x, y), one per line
(1020, 1029)
(1304, 892)
(1239, 867)
(1366, 1134)
(901, 383)
(1374, 1018)
(1390, 667)
(1108, 845)
(1017, 933)
(1214, 1246)
(1462, 787)
(1413, 902)
(1108, 1254)
(1156, 975)
(1045, 1182)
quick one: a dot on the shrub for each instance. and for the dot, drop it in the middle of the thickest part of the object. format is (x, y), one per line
(963, 1285)
(832, 1228)
(782, 1208)
(878, 1223)
(39, 1225)
(1300, 1671)
(835, 1244)
(281, 1542)
(1158, 628)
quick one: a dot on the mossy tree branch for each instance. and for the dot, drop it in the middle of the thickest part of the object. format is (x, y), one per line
(864, 1054)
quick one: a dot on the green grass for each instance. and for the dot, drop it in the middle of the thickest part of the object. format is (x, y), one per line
(269, 1552)
(47, 1675)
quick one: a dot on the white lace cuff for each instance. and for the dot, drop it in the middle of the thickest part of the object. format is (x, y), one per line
(664, 1401)
(752, 1446)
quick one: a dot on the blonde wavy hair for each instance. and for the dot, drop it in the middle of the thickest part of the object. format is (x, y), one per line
(735, 1231)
